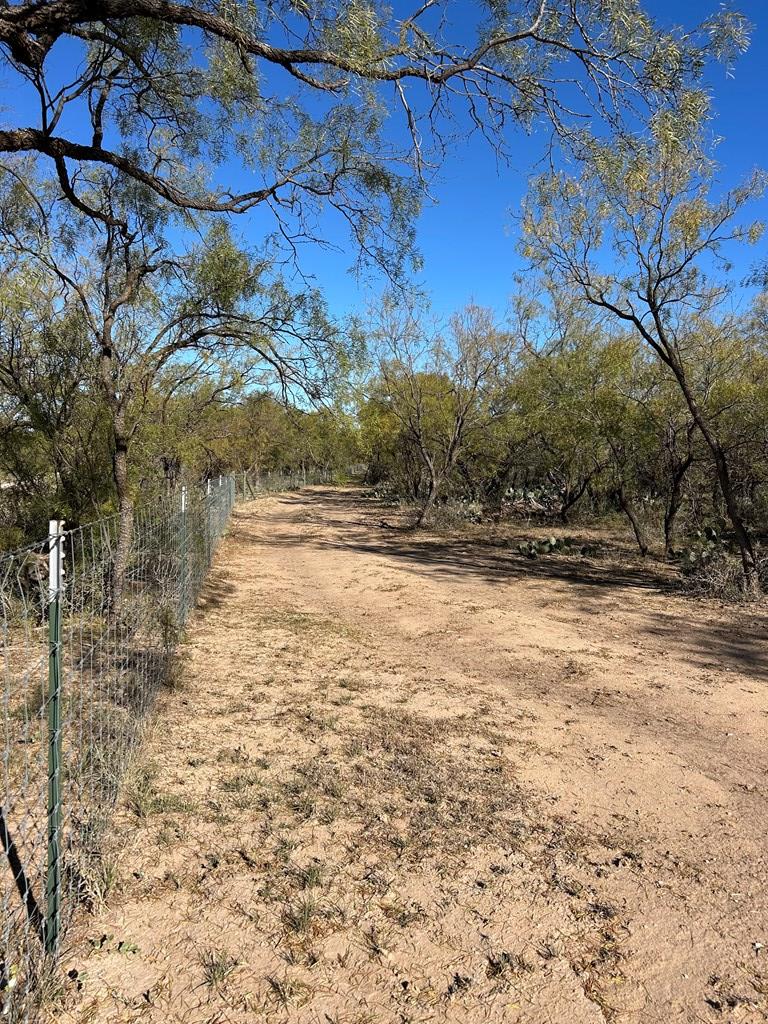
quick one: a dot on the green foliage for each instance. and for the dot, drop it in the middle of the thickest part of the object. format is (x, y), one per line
(215, 360)
(705, 546)
(640, 233)
(221, 271)
(127, 365)
(555, 545)
(586, 422)
(168, 99)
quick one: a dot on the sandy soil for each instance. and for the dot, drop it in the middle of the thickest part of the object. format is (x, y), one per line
(411, 778)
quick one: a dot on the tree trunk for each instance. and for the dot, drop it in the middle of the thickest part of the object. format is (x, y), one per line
(572, 495)
(117, 404)
(749, 560)
(497, 488)
(746, 550)
(628, 508)
(429, 501)
(414, 482)
(667, 352)
(674, 504)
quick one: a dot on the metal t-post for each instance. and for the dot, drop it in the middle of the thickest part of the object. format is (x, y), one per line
(183, 595)
(53, 872)
(210, 540)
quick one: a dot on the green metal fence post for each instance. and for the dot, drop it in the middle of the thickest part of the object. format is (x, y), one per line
(183, 589)
(53, 872)
(209, 537)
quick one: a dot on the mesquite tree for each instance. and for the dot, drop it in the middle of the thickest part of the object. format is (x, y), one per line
(442, 390)
(152, 317)
(53, 430)
(170, 95)
(635, 234)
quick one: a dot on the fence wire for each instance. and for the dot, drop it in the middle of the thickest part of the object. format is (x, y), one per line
(253, 483)
(78, 676)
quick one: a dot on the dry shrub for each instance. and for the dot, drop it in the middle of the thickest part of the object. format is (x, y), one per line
(455, 513)
(722, 578)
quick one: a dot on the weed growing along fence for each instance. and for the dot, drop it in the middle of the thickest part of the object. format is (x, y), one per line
(78, 674)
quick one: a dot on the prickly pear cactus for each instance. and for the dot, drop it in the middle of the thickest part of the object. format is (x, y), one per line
(553, 545)
(705, 546)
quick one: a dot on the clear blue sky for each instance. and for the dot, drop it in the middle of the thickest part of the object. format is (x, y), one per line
(467, 238)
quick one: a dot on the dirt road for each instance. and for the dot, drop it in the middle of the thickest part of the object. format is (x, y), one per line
(409, 778)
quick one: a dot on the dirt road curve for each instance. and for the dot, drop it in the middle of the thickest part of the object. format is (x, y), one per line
(411, 779)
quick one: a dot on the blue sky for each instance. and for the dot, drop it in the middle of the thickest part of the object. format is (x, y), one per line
(467, 237)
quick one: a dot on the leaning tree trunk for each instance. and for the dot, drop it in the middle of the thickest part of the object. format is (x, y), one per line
(429, 501)
(746, 550)
(428, 505)
(504, 477)
(740, 532)
(674, 504)
(497, 488)
(627, 507)
(571, 496)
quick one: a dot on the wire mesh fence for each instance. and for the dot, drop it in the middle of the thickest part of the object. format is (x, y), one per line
(254, 483)
(82, 656)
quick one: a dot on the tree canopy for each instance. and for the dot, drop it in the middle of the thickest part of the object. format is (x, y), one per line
(169, 96)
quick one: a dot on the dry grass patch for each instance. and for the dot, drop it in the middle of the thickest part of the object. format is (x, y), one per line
(144, 798)
(238, 783)
(217, 965)
(306, 625)
(419, 793)
(287, 992)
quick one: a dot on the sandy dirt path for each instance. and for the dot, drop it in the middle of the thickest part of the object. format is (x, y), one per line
(408, 778)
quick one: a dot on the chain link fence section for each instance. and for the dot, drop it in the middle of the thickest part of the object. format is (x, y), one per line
(23, 770)
(79, 671)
